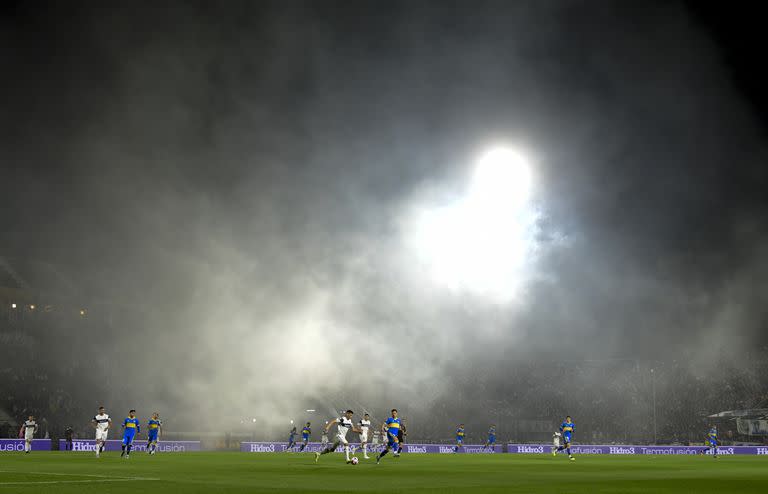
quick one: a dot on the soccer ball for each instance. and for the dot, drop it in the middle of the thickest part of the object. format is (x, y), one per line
(354, 460)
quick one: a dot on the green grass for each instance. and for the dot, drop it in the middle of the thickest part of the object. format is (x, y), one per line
(210, 473)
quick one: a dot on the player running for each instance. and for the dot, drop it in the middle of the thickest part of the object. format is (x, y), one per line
(712, 438)
(491, 443)
(567, 429)
(391, 427)
(154, 428)
(343, 425)
(401, 437)
(306, 431)
(131, 429)
(364, 425)
(324, 438)
(28, 429)
(102, 423)
(291, 439)
(556, 442)
(459, 438)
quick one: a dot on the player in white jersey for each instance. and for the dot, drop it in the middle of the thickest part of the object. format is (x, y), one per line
(343, 424)
(28, 428)
(101, 422)
(555, 442)
(365, 426)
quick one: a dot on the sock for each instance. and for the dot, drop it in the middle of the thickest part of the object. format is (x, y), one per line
(568, 449)
(123, 448)
(330, 449)
(129, 448)
(365, 449)
(560, 448)
(383, 452)
(346, 452)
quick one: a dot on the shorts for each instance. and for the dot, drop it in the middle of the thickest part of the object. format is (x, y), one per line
(152, 437)
(459, 440)
(29, 435)
(341, 439)
(101, 435)
(128, 438)
(391, 440)
(491, 439)
(364, 437)
(567, 438)
(305, 438)
(712, 443)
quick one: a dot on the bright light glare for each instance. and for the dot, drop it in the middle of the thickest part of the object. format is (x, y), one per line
(501, 181)
(481, 243)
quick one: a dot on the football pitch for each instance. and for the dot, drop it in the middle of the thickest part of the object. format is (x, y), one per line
(218, 472)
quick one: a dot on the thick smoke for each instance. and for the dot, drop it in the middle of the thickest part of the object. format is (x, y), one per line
(239, 175)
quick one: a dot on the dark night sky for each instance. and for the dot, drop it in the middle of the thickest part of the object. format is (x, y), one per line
(264, 155)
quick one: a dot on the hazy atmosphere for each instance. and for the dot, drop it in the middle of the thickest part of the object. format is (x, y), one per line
(270, 207)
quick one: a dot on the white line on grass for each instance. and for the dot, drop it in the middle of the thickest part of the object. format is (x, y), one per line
(38, 482)
(95, 478)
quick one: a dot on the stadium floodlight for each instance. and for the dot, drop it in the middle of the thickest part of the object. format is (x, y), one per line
(501, 180)
(254, 420)
(291, 422)
(31, 306)
(83, 312)
(310, 411)
(481, 242)
(13, 306)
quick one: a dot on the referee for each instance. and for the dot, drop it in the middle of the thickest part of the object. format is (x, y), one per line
(401, 433)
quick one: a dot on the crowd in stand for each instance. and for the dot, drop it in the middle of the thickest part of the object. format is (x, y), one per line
(610, 401)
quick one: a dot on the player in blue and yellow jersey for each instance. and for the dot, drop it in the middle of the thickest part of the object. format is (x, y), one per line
(291, 439)
(459, 438)
(391, 427)
(154, 427)
(491, 437)
(712, 439)
(306, 431)
(131, 429)
(566, 428)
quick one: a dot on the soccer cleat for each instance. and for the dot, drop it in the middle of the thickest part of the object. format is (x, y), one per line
(554, 452)
(378, 459)
(572, 458)
(367, 457)
(317, 456)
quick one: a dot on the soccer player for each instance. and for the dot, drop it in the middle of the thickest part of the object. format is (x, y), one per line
(459, 438)
(390, 427)
(365, 426)
(306, 431)
(154, 428)
(28, 429)
(343, 425)
(712, 438)
(291, 439)
(131, 429)
(567, 429)
(102, 423)
(555, 442)
(324, 438)
(68, 435)
(401, 437)
(491, 437)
